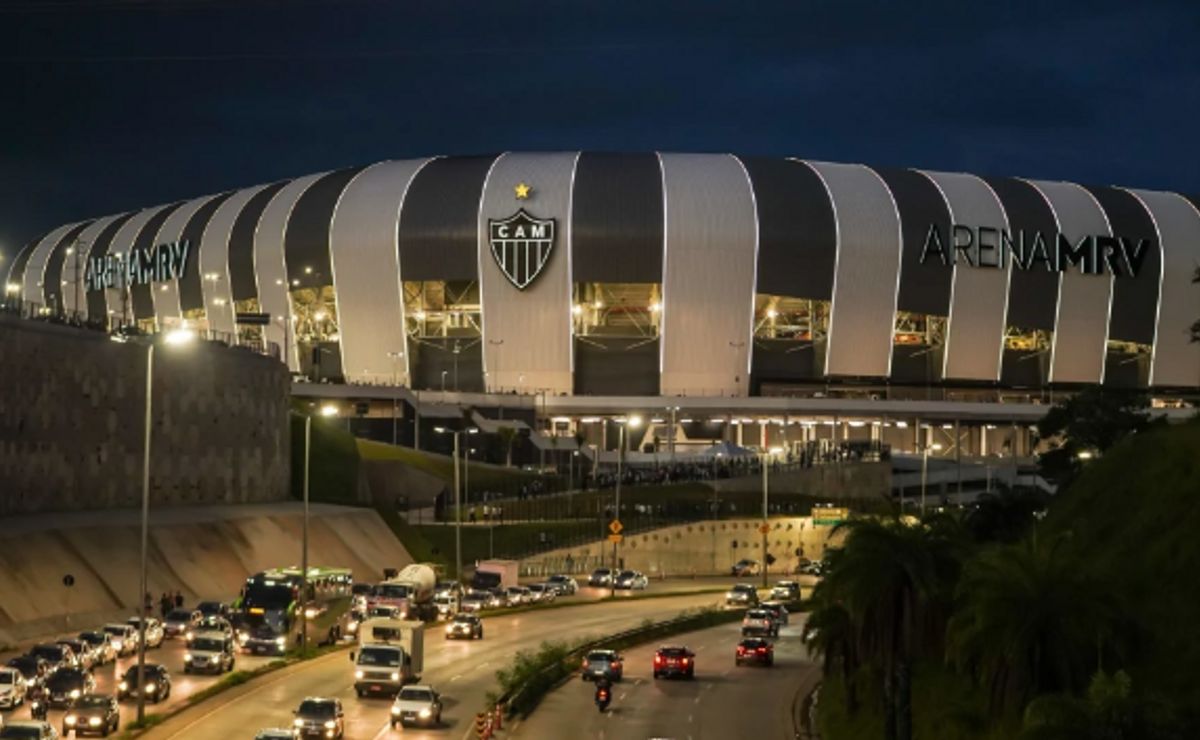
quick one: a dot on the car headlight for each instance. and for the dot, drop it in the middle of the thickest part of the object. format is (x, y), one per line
(395, 675)
(395, 709)
(117, 644)
(70, 719)
(151, 688)
(94, 721)
(298, 722)
(330, 724)
(358, 674)
(450, 629)
(425, 713)
(123, 686)
(75, 693)
(352, 627)
(189, 635)
(30, 682)
(187, 657)
(243, 637)
(280, 641)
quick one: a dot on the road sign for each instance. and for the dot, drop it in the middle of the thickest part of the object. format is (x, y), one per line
(615, 526)
(256, 319)
(615, 538)
(829, 516)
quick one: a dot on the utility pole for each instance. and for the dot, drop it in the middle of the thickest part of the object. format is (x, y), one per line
(304, 540)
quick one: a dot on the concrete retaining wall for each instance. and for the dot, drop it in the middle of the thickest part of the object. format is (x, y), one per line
(831, 481)
(204, 552)
(702, 548)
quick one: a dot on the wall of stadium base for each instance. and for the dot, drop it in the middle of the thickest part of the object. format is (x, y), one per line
(698, 549)
(205, 553)
(72, 422)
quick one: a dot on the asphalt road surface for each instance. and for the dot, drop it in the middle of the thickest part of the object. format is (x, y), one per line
(723, 701)
(463, 671)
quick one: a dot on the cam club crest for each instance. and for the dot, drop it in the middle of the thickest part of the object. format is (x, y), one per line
(521, 245)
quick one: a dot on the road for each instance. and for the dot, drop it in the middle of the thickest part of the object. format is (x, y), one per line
(463, 671)
(723, 701)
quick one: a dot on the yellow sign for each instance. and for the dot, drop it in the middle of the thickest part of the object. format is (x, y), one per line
(764, 528)
(615, 526)
(615, 538)
(829, 516)
(521, 190)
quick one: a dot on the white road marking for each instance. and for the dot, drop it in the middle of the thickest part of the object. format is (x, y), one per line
(691, 718)
(455, 678)
(622, 697)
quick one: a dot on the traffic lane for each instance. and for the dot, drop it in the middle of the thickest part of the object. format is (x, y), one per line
(723, 701)
(170, 655)
(462, 670)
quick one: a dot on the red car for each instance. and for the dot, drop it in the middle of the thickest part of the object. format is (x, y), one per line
(674, 661)
(755, 650)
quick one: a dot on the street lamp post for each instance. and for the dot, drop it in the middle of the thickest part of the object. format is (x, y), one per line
(177, 337)
(766, 510)
(304, 539)
(395, 357)
(457, 497)
(632, 422)
(924, 472)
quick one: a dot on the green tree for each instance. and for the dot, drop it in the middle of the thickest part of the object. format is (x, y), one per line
(1091, 421)
(1029, 620)
(1110, 710)
(830, 634)
(895, 582)
(507, 436)
(1004, 517)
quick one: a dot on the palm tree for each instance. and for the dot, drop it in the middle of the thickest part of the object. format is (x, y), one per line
(1029, 620)
(829, 633)
(507, 436)
(895, 582)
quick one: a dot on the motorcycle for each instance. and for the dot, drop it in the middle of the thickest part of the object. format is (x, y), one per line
(38, 709)
(603, 697)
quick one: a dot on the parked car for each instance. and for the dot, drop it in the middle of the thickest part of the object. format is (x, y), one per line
(601, 577)
(745, 567)
(632, 579)
(565, 585)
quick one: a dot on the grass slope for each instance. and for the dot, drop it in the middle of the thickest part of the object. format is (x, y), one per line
(441, 466)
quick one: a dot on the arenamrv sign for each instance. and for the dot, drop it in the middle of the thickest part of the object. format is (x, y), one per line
(983, 246)
(137, 267)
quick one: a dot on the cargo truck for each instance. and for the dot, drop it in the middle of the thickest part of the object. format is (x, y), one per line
(495, 574)
(391, 653)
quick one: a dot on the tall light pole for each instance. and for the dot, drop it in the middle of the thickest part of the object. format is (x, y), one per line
(395, 357)
(633, 422)
(766, 527)
(177, 337)
(458, 569)
(924, 472)
(304, 539)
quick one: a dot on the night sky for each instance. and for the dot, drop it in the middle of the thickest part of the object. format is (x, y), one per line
(112, 105)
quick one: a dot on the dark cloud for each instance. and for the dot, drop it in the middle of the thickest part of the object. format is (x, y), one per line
(116, 104)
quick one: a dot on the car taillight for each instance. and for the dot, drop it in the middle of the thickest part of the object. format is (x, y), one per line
(741, 650)
(615, 664)
(685, 661)
(658, 659)
(762, 650)
(585, 662)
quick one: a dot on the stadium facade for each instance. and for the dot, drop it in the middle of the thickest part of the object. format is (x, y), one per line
(591, 275)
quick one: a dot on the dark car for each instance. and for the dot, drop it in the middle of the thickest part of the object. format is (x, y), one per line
(33, 669)
(603, 663)
(745, 567)
(742, 594)
(56, 656)
(27, 730)
(319, 717)
(93, 713)
(755, 650)
(213, 609)
(674, 660)
(158, 683)
(180, 621)
(465, 625)
(779, 611)
(66, 685)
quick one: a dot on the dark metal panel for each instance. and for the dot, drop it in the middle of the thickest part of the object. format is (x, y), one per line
(241, 243)
(1135, 298)
(52, 287)
(616, 367)
(797, 231)
(439, 221)
(460, 358)
(143, 302)
(924, 288)
(617, 219)
(306, 241)
(785, 361)
(97, 302)
(1032, 294)
(191, 290)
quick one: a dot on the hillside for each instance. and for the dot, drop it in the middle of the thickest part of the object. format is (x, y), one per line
(1135, 515)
